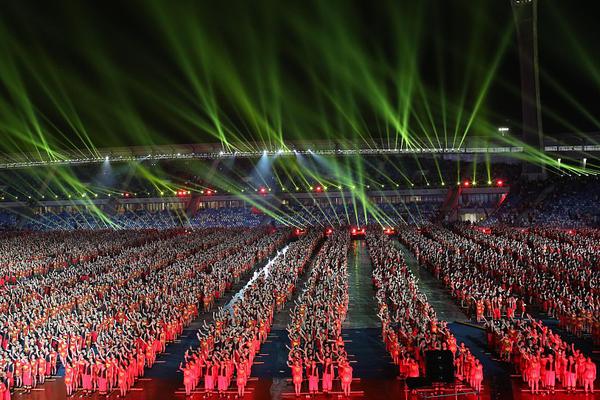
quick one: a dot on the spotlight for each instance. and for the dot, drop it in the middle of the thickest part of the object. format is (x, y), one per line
(500, 183)
(106, 158)
(489, 182)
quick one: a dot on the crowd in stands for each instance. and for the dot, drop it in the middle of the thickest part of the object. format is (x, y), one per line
(386, 214)
(409, 324)
(226, 217)
(567, 202)
(86, 220)
(8, 220)
(138, 219)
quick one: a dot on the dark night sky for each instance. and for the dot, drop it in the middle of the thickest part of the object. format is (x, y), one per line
(69, 31)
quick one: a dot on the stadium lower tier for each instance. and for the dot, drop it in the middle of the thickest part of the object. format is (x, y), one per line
(272, 312)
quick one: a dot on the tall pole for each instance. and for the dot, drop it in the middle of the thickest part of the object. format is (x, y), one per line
(525, 15)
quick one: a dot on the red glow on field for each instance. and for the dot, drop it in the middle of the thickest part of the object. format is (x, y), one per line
(357, 231)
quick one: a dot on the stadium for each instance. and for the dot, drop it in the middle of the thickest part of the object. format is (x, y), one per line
(299, 199)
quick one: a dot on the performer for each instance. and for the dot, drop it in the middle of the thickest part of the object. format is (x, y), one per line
(570, 375)
(313, 378)
(345, 376)
(242, 377)
(589, 376)
(187, 378)
(296, 367)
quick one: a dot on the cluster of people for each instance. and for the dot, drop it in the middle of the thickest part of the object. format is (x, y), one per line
(541, 356)
(106, 319)
(229, 344)
(561, 272)
(26, 254)
(315, 330)
(468, 269)
(504, 271)
(410, 326)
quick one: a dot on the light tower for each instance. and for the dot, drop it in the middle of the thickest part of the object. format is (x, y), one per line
(525, 15)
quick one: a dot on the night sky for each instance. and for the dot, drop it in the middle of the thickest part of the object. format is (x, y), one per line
(98, 74)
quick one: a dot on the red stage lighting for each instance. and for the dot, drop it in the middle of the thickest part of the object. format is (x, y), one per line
(357, 232)
(318, 189)
(262, 190)
(500, 183)
(328, 231)
(467, 183)
(299, 232)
